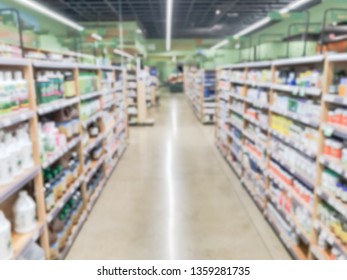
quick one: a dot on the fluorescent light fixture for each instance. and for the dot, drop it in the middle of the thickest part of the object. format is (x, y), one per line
(169, 7)
(123, 53)
(139, 31)
(253, 27)
(96, 37)
(49, 13)
(217, 12)
(294, 5)
(220, 44)
(262, 22)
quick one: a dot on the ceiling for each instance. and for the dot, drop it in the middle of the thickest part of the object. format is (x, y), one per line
(191, 18)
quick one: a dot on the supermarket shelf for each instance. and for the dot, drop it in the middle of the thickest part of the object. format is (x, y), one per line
(255, 122)
(293, 249)
(17, 183)
(56, 105)
(255, 158)
(15, 118)
(293, 144)
(295, 117)
(109, 104)
(290, 192)
(53, 64)
(254, 139)
(256, 103)
(258, 84)
(333, 201)
(260, 64)
(96, 194)
(236, 125)
(335, 130)
(64, 199)
(258, 201)
(74, 235)
(7, 61)
(332, 239)
(299, 60)
(298, 90)
(236, 167)
(236, 154)
(338, 57)
(60, 153)
(93, 143)
(296, 174)
(92, 118)
(241, 113)
(303, 235)
(90, 95)
(335, 99)
(237, 96)
(319, 253)
(83, 66)
(334, 165)
(94, 168)
(20, 242)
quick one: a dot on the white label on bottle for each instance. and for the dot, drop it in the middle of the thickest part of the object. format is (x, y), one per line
(25, 222)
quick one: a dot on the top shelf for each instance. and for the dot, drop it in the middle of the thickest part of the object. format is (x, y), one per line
(7, 61)
(53, 65)
(299, 60)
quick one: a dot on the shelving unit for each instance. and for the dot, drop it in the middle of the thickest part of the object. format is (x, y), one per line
(139, 94)
(274, 134)
(111, 116)
(200, 87)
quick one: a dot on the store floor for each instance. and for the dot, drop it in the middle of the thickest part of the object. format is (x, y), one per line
(172, 196)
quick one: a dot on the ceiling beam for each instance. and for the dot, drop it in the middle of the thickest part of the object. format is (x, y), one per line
(189, 12)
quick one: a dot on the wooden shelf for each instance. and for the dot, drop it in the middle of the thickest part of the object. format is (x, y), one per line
(295, 117)
(297, 90)
(18, 182)
(86, 96)
(64, 199)
(16, 117)
(93, 142)
(20, 242)
(56, 105)
(57, 155)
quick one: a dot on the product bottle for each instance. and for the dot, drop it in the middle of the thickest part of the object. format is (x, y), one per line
(5, 164)
(5, 97)
(21, 84)
(26, 148)
(24, 211)
(5, 238)
(11, 86)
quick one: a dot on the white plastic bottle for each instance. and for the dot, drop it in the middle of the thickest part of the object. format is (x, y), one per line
(24, 211)
(5, 166)
(26, 148)
(5, 238)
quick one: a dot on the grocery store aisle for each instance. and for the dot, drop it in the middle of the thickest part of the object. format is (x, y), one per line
(173, 197)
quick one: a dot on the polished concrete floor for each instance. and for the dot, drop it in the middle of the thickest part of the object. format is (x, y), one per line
(172, 196)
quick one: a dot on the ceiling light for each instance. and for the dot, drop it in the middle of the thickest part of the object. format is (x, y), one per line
(262, 22)
(294, 5)
(219, 45)
(169, 6)
(139, 31)
(217, 12)
(253, 27)
(123, 53)
(49, 13)
(96, 37)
